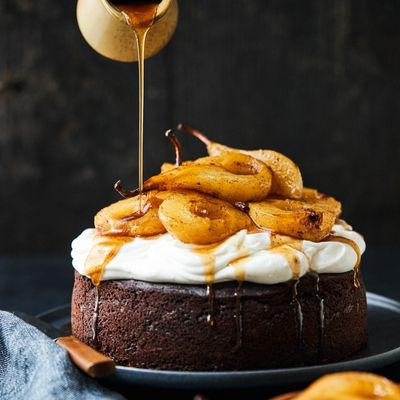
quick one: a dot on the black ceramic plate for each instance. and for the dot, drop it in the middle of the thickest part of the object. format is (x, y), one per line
(383, 349)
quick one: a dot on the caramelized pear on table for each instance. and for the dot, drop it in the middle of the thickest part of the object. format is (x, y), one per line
(351, 386)
(198, 218)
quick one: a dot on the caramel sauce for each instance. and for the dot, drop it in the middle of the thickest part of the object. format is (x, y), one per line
(210, 292)
(140, 15)
(298, 310)
(341, 239)
(238, 315)
(152, 237)
(208, 257)
(103, 250)
(240, 273)
(278, 239)
(321, 322)
(284, 245)
(290, 253)
(138, 214)
(151, 203)
(95, 313)
(253, 228)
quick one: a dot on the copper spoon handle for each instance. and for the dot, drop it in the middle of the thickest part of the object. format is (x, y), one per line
(87, 359)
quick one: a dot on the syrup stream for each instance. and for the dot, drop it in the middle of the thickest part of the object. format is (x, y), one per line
(140, 35)
(140, 16)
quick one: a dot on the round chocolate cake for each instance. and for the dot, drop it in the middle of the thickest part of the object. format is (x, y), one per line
(316, 319)
(222, 263)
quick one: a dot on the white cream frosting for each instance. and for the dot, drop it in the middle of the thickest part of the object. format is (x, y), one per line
(165, 259)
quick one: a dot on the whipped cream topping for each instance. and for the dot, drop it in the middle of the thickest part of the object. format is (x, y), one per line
(254, 257)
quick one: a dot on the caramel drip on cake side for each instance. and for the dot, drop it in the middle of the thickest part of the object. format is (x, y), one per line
(103, 250)
(341, 239)
(298, 310)
(238, 294)
(208, 257)
(239, 315)
(95, 312)
(210, 292)
(321, 321)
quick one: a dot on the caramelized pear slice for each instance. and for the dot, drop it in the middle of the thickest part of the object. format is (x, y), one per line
(167, 166)
(198, 218)
(310, 218)
(232, 177)
(351, 386)
(125, 218)
(286, 176)
(321, 200)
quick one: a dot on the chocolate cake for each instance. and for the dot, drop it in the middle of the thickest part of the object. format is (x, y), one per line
(317, 319)
(222, 263)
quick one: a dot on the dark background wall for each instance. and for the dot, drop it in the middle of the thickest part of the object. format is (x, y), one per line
(316, 80)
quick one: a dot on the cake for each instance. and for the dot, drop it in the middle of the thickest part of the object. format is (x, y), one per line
(222, 263)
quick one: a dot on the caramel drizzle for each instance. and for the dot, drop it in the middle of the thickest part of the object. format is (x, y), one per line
(321, 323)
(104, 249)
(288, 248)
(151, 203)
(95, 313)
(210, 292)
(140, 16)
(280, 244)
(208, 258)
(299, 313)
(341, 239)
(284, 245)
(238, 314)
(139, 213)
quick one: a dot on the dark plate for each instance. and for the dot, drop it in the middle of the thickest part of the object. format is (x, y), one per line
(383, 349)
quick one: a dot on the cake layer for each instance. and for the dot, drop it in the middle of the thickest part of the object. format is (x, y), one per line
(227, 326)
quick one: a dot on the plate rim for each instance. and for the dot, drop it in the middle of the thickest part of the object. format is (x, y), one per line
(225, 379)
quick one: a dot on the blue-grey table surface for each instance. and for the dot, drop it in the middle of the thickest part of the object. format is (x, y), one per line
(36, 283)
